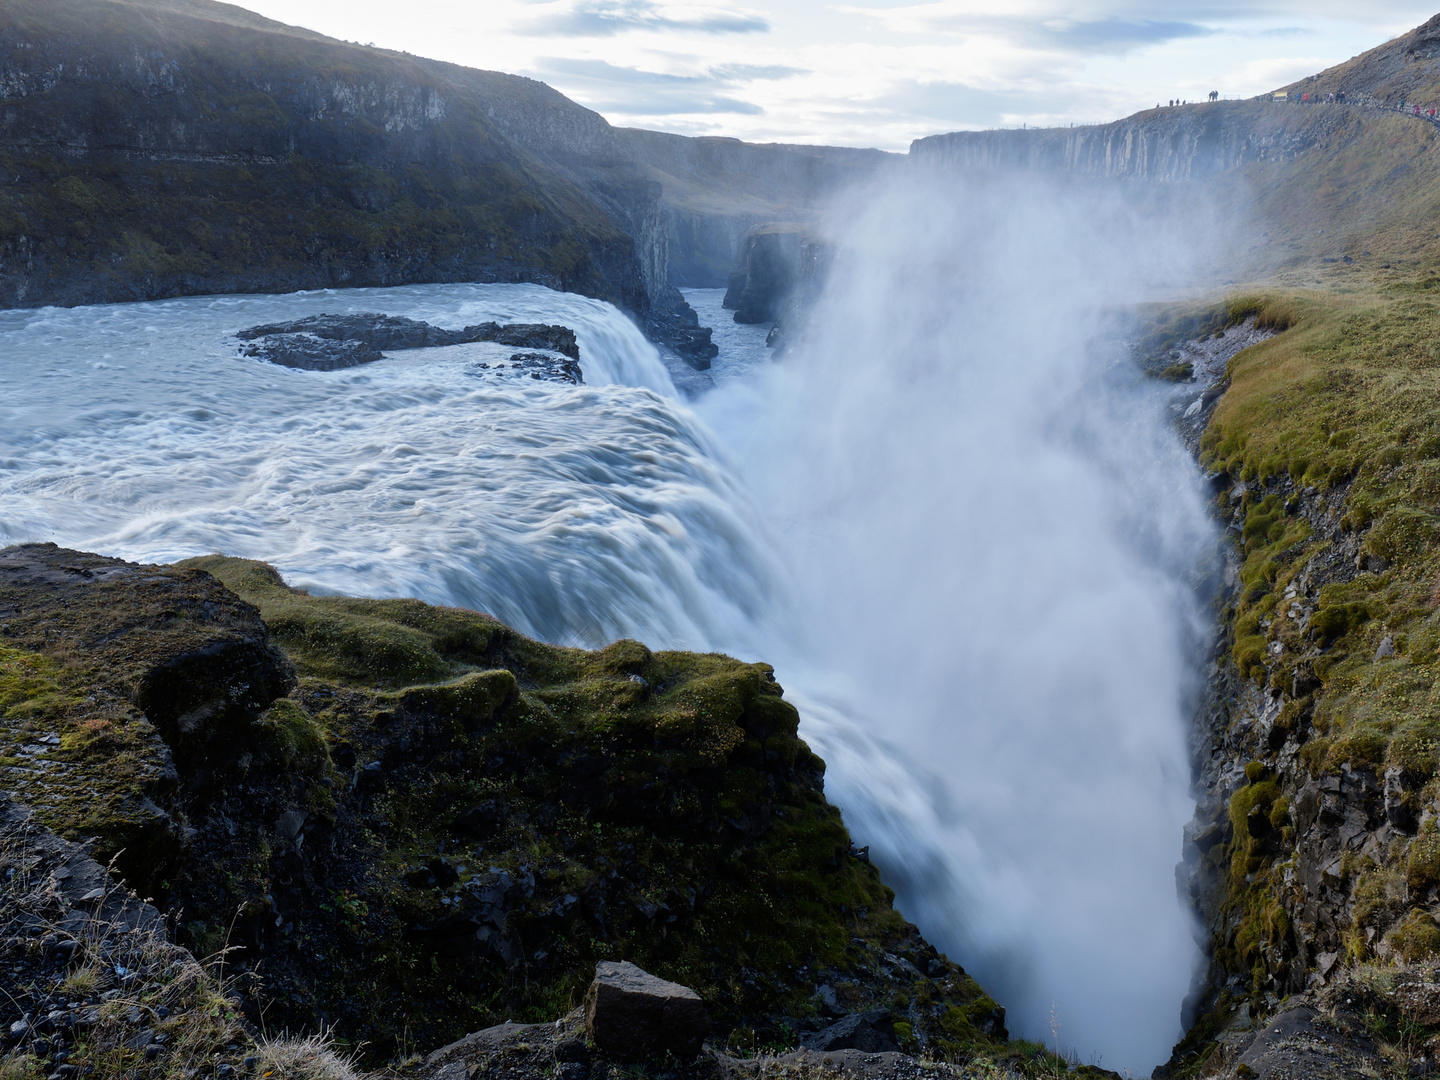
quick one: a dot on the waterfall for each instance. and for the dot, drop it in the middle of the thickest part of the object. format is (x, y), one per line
(952, 517)
(988, 530)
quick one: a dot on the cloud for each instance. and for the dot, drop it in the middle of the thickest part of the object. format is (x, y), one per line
(952, 103)
(605, 18)
(1115, 35)
(629, 91)
(750, 72)
(1112, 34)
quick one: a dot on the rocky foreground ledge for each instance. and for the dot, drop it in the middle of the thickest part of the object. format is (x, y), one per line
(404, 823)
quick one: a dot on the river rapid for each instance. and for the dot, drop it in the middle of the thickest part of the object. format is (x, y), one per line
(952, 517)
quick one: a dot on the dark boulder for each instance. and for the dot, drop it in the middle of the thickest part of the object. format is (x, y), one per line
(872, 1032)
(559, 339)
(632, 1015)
(310, 352)
(672, 322)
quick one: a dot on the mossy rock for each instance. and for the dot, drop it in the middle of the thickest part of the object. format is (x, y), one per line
(294, 739)
(1417, 938)
(445, 824)
(118, 684)
(380, 643)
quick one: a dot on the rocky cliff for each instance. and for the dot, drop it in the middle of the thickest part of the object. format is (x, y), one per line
(716, 190)
(153, 151)
(1193, 142)
(1203, 140)
(167, 147)
(1311, 858)
(410, 822)
(1285, 183)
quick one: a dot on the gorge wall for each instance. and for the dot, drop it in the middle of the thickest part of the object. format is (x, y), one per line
(153, 152)
(161, 148)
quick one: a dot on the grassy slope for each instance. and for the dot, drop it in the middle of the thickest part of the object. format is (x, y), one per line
(1344, 404)
(1333, 428)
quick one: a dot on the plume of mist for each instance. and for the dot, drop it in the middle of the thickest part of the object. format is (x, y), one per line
(992, 534)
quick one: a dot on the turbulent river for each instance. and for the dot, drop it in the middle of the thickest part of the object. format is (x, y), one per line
(952, 517)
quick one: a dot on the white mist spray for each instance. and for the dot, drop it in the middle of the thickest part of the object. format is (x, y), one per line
(990, 529)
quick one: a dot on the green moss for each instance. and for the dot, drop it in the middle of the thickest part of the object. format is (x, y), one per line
(1337, 620)
(1417, 938)
(381, 643)
(1416, 749)
(1422, 859)
(472, 700)
(294, 738)
(667, 795)
(29, 687)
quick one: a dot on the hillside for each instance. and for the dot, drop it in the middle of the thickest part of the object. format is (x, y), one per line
(155, 153)
(1292, 187)
(171, 147)
(410, 822)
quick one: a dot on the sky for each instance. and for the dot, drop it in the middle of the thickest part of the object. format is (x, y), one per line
(871, 72)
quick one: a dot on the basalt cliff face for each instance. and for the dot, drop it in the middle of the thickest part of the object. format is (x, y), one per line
(1164, 145)
(154, 150)
(1285, 182)
(1199, 141)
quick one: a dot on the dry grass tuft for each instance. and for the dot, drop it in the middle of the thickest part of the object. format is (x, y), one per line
(307, 1058)
(142, 1007)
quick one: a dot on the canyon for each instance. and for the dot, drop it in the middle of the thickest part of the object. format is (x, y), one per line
(156, 151)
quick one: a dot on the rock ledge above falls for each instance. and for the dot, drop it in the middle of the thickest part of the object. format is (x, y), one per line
(413, 822)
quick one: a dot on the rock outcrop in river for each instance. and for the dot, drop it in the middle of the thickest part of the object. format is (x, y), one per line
(334, 342)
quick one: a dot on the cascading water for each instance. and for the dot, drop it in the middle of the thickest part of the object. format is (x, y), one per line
(960, 531)
(990, 531)
(574, 513)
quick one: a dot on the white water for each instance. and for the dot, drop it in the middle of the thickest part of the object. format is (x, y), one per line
(989, 530)
(743, 352)
(962, 542)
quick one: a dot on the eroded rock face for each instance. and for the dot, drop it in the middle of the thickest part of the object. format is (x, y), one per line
(153, 674)
(673, 322)
(772, 261)
(632, 1015)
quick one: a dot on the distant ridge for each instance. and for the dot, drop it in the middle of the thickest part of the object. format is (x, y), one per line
(1299, 182)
